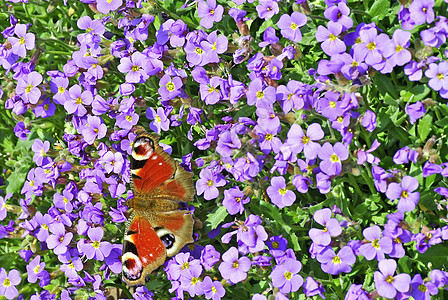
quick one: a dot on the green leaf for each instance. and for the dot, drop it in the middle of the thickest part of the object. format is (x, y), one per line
(379, 9)
(424, 127)
(15, 180)
(217, 216)
(385, 85)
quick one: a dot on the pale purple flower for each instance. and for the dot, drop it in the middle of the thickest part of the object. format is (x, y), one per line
(208, 184)
(334, 264)
(160, 120)
(27, 87)
(438, 76)
(25, 41)
(105, 6)
(279, 194)
(59, 239)
(285, 276)
(332, 157)
(233, 268)
(290, 26)
(331, 44)
(8, 283)
(332, 228)
(134, 67)
(298, 141)
(97, 249)
(234, 200)
(376, 245)
(405, 192)
(34, 268)
(386, 283)
(94, 129)
(209, 13)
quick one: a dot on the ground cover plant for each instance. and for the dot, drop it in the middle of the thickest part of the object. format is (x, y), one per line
(316, 132)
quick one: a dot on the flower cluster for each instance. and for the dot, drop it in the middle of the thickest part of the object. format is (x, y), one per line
(314, 131)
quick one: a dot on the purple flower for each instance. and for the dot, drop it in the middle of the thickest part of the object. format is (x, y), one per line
(209, 257)
(58, 85)
(210, 92)
(169, 88)
(34, 269)
(285, 276)
(97, 250)
(290, 26)
(209, 13)
(8, 283)
(208, 184)
(233, 268)
(334, 264)
(134, 66)
(279, 194)
(75, 104)
(63, 201)
(438, 76)
(105, 6)
(267, 9)
(27, 87)
(376, 245)
(25, 41)
(298, 141)
(339, 13)
(386, 284)
(94, 129)
(421, 11)
(311, 288)
(332, 157)
(161, 121)
(372, 44)
(59, 240)
(405, 191)
(112, 162)
(421, 290)
(212, 289)
(269, 37)
(40, 148)
(396, 50)
(234, 200)
(356, 292)
(322, 237)
(331, 43)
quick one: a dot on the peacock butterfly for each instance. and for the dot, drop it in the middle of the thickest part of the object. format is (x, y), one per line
(158, 226)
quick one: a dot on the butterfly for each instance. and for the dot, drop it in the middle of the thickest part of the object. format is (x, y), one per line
(158, 226)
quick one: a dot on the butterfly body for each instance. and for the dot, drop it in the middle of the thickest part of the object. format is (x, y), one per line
(158, 227)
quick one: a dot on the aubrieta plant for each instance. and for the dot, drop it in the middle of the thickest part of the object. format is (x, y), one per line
(316, 132)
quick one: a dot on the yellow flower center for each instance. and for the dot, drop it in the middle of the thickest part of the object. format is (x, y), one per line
(399, 48)
(22, 40)
(36, 269)
(340, 119)
(185, 265)
(332, 104)
(71, 266)
(65, 200)
(336, 260)
(334, 158)
(293, 26)
(61, 89)
(7, 282)
(194, 281)
(422, 288)
(282, 191)
(211, 90)
(275, 245)
(354, 64)
(371, 46)
(214, 290)
(268, 137)
(45, 226)
(260, 94)
(397, 240)
(214, 46)
(209, 182)
(170, 86)
(198, 50)
(129, 118)
(305, 140)
(96, 244)
(28, 88)
(288, 275)
(440, 76)
(389, 279)
(212, 12)
(236, 264)
(238, 199)
(376, 244)
(404, 194)
(332, 37)
(158, 119)
(78, 100)
(135, 68)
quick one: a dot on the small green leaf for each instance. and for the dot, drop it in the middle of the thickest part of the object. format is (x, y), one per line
(217, 216)
(424, 127)
(379, 9)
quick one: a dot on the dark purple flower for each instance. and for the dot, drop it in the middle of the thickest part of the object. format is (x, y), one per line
(405, 192)
(386, 284)
(322, 237)
(25, 41)
(233, 268)
(279, 194)
(8, 283)
(290, 26)
(421, 290)
(285, 276)
(234, 200)
(334, 264)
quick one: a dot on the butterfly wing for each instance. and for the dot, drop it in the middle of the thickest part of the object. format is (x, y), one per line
(154, 173)
(150, 238)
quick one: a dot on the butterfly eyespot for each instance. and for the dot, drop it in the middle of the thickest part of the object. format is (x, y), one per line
(132, 266)
(168, 240)
(143, 148)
